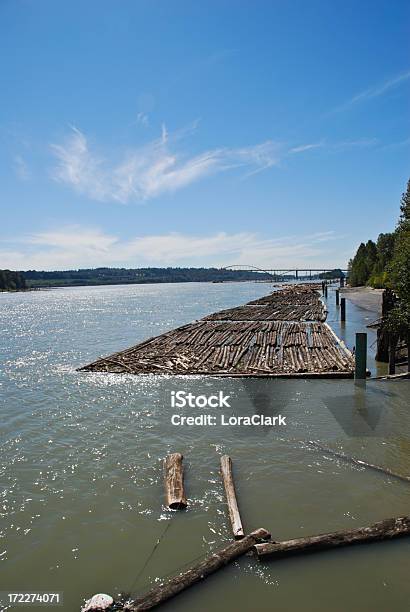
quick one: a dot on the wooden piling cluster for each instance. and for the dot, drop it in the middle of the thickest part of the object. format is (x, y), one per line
(282, 334)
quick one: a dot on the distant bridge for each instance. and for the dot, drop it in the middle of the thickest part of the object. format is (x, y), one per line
(304, 272)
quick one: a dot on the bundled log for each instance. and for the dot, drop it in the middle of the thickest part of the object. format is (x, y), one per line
(360, 462)
(199, 572)
(174, 482)
(234, 515)
(382, 530)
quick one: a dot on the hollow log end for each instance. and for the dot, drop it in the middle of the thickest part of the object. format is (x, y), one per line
(180, 504)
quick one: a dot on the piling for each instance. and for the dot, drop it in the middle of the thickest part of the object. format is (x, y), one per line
(361, 356)
(392, 353)
(408, 352)
(343, 309)
(337, 297)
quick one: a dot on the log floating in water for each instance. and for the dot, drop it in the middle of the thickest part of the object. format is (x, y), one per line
(199, 572)
(234, 515)
(377, 468)
(382, 530)
(174, 482)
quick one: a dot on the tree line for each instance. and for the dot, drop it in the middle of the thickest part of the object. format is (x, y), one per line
(116, 276)
(12, 281)
(386, 264)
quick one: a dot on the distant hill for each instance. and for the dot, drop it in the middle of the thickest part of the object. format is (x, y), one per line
(12, 281)
(336, 273)
(120, 276)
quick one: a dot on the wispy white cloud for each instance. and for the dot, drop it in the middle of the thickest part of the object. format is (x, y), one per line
(150, 170)
(21, 168)
(374, 92)
(74, 247)
(397, 145)
(350, 144)
(307, 147)
(143, 119)
(161, 166)
(164, 134)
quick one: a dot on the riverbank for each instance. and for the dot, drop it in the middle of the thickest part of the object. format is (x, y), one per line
(366, 298)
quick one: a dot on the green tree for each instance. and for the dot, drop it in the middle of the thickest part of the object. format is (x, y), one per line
(399, 269)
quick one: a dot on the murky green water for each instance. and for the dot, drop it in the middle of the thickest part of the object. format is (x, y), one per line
(81, 473)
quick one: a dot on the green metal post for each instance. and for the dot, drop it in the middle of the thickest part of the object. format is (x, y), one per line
(343, 309)
(360, 356)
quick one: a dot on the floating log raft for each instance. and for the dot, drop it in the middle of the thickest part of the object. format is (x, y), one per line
(199, 572)
(227, 477)
(249, 345)
(300, 303)
(382, 530)
(174, 482)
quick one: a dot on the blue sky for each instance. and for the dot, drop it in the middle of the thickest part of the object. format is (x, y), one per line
(139, 133)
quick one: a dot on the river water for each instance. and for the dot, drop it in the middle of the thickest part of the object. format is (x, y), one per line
(81, 461)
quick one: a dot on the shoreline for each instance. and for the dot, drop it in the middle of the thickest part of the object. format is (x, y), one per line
(366, 298)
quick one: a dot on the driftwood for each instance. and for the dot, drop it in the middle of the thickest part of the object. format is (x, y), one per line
(174, 482)
(199, 572)
(360, 462)
(382, 530)
(234, 515)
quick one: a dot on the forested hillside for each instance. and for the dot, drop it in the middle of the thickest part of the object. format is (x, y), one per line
(116, 276)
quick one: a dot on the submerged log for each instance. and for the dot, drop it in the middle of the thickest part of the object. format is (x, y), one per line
(234, 515)
(174, 482)
(377, 468)
(382, 530)
(199, 572)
